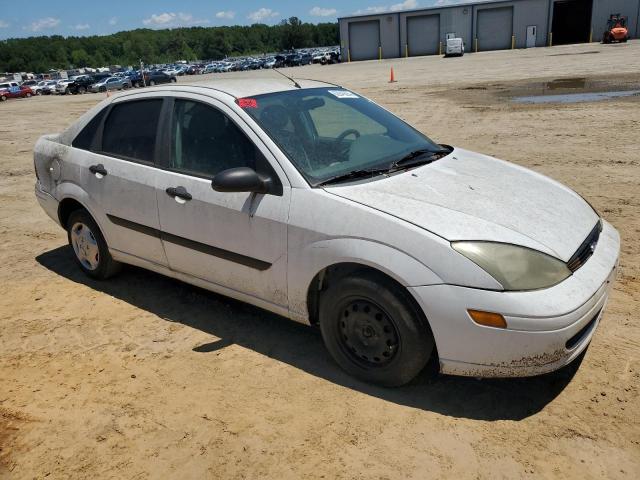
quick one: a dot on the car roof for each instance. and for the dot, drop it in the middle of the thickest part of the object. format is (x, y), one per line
(240, 88)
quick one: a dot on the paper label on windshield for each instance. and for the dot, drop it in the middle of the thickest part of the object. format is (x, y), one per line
(343, 94)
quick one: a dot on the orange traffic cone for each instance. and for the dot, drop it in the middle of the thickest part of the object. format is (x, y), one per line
(392, 77)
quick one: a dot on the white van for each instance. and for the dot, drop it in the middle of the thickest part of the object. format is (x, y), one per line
(455, 47)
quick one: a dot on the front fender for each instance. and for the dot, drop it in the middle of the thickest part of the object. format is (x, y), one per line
(307, 262)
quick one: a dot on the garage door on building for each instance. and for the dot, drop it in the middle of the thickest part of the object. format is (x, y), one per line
(495, 27)
(364, 40)
(423, 35)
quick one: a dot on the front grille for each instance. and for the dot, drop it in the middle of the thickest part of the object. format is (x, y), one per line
(585, 250)
(584, 331)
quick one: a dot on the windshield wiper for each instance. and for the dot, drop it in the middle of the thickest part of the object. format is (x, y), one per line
(353, 174)
(419, 157)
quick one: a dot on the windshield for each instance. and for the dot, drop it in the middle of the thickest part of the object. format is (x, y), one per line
(328, 132)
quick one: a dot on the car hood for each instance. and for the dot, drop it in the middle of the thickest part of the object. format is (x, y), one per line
(469, 196)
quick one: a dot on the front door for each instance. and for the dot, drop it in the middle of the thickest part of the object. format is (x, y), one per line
(234, 240)
(532, 35)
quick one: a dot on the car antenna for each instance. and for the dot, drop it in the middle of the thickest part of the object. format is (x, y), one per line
(287, 77)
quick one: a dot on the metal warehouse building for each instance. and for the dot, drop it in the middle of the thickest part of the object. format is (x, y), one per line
(483, 26)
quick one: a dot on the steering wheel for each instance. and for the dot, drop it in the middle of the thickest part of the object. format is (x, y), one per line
(345, 134)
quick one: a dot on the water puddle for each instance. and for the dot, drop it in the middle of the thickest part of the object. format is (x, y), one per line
(576, 97)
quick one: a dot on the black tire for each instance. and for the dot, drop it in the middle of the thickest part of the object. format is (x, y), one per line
(67, 91)
(105, 265)
(38, 92)
(125, 86)
(3, 98)
(173, 80)
(102, 89)
(373, 329)
(28, 95)
(82, 90)
(152, 83)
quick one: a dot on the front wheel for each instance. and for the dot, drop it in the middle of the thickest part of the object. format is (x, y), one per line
(152, 83)
(90, 248)
(82, 90)
(28, 95)
(373, 329)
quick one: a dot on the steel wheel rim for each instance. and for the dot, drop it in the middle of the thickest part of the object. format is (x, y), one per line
(366, 333)
(85, 246)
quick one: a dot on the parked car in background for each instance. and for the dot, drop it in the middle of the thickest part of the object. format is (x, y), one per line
(15, 92)
(8, 85)
(80, 84)
(49, 87)
(61, 86)
(37, 88)
(292, 60)
(111, 83)
(157, 77)
(320, 57)
(29, 83)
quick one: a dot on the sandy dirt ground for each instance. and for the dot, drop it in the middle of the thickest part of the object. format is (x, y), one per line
(145, 377)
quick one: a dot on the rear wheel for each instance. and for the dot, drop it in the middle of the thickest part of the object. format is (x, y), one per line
(28, 95)
(82, 90)
(67, 91)
(373, 329)
(152, 83)
(90, 249)
(174, 80)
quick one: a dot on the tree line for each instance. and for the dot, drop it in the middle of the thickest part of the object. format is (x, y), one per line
(39, 54)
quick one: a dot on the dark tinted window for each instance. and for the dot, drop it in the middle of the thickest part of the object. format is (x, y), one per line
(205, 141)
(85, 138)
(130, 129)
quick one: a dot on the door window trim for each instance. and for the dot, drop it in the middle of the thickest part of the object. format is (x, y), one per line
(165, 146)
(96, 144)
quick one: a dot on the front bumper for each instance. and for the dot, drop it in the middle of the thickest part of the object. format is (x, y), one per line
(546, 329)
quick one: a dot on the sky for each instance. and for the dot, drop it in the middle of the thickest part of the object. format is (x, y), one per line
(64, 17)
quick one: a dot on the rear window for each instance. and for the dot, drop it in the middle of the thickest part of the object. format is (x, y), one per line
(130, 130)
(86, 138)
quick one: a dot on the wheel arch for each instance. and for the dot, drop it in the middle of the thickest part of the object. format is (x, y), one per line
(336, 271)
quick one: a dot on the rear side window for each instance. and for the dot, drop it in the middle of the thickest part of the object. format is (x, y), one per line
(130, 129)
(85, 139)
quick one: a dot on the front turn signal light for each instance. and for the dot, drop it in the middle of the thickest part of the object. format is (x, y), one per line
(488, 319)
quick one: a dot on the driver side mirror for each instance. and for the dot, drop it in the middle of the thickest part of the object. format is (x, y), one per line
(241, 179)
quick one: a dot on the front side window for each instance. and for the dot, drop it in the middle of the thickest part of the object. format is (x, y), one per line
(130, 129)
(328, 132)
(204, 141)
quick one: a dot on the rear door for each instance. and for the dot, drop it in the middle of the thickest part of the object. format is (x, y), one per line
(234, 240)
(115, 160)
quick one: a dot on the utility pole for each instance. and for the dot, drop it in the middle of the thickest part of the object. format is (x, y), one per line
(144, 82)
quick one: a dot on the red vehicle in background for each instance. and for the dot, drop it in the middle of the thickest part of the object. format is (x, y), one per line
(15, 92)
(616, 29)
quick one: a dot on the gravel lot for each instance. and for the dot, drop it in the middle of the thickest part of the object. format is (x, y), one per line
(146, 377)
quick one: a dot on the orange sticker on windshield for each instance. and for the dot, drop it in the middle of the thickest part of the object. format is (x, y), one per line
(247, 103)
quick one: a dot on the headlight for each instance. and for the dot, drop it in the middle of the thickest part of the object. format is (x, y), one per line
(514, 267)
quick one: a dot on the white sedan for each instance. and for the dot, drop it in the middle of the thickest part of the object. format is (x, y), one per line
(313, 202)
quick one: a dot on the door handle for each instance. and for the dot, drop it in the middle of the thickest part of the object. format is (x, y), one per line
(179, 192)
(98, 169)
